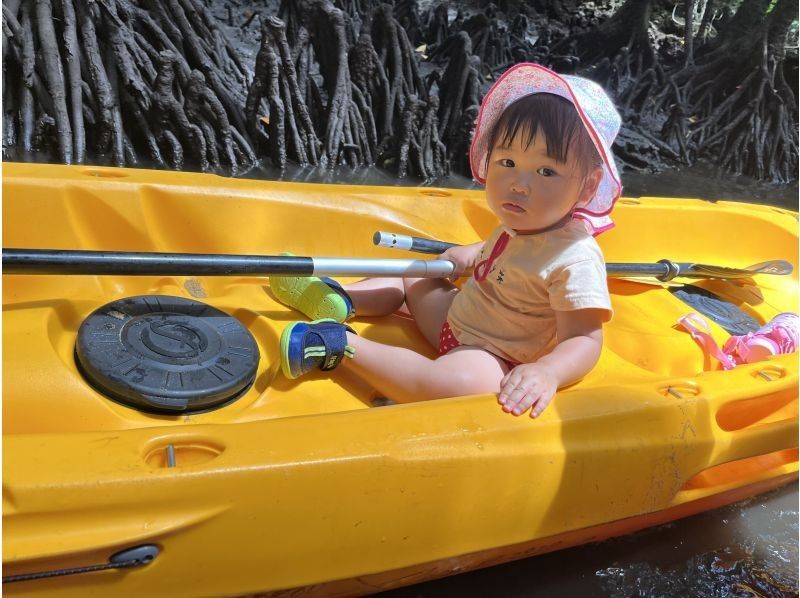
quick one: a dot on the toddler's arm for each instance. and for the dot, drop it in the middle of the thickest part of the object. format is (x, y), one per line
(533, 385)
(464, 257)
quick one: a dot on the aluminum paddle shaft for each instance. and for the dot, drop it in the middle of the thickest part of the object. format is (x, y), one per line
(663, 270)
(56, 261)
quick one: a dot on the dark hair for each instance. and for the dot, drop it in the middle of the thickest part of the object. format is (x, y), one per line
(553, 116)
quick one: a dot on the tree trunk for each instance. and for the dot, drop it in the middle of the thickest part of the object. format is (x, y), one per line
(780, 20)
(744, 22)
(688, 33)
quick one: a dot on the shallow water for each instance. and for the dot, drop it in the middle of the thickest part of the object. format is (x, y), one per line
(704, 181)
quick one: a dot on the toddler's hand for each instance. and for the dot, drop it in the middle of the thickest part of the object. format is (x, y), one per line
(458, 259)
(463, 256)
(527, 385)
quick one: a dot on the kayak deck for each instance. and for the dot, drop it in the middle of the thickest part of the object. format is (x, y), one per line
(309, 471)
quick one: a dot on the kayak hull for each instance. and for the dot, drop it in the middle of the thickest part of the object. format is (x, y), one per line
(419, 573)
(305, 485)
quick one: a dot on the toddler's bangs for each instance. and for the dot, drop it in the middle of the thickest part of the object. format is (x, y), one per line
(555, 118)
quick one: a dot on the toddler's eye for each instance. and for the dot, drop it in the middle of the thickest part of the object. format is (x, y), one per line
(544, 171)
(507, 162)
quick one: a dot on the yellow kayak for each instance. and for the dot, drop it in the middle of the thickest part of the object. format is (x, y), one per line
(316, 484)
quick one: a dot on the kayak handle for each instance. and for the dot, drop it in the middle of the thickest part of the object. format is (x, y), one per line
(124, 559)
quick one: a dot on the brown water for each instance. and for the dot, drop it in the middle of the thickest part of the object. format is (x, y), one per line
(703, 181)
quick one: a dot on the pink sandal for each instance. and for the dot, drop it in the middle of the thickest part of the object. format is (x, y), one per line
(778, 336)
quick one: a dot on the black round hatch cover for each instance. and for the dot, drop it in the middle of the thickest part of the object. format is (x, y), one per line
(166, 354)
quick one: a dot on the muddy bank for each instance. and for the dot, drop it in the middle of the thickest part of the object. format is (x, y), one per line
(233, 87)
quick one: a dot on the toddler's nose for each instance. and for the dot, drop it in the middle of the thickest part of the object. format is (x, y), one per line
(521, 186)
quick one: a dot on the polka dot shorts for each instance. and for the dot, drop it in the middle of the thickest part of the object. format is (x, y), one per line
(447, 341)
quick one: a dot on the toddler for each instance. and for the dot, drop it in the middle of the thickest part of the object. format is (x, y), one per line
(529, 320)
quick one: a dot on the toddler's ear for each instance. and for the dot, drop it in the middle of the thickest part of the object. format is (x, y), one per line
(590, 185)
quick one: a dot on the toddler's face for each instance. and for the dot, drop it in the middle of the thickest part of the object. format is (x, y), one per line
(529, 191)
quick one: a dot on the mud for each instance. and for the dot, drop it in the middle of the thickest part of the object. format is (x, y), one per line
(393, 86)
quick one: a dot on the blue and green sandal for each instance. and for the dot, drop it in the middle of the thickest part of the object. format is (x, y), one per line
(306, 346)
(316, 297)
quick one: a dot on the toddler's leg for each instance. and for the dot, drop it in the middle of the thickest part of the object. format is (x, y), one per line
(404, 375)
(428, 301)
(399, 373)
(376, 296)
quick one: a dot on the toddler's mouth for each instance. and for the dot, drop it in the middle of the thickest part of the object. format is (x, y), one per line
(512, 207)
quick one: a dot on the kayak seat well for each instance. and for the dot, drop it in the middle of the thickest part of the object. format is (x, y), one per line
(636, 346)
(178, 212)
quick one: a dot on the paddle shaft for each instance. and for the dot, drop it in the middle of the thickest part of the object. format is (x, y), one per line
(56, 261)
(663, 270)
(409, 243)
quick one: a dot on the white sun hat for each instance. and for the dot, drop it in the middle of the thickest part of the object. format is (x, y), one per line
(596, 111)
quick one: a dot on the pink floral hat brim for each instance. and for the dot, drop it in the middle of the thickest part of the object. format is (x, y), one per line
(595, 109)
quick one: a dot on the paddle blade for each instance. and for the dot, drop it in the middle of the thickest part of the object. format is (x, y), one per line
(775, 267)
